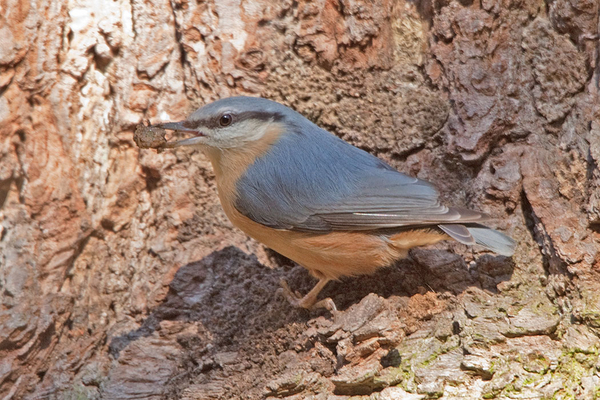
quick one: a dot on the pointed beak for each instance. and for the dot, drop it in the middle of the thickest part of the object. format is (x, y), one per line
(180, 127)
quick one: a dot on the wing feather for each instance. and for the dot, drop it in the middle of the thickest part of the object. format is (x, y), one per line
(311, 180)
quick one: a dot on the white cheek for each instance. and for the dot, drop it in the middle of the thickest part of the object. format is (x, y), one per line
(252, 130)
(240, 133)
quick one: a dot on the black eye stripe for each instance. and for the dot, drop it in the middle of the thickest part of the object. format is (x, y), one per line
(191, 124)
(215, 122)
(259, 115)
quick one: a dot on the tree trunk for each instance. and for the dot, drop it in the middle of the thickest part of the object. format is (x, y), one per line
(121, 277)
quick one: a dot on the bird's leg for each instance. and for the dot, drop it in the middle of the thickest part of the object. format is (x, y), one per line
(310, 300)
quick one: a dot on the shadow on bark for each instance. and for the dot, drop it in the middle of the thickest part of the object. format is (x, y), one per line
(235, 297)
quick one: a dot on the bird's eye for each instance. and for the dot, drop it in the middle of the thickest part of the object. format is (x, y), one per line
(225, 119)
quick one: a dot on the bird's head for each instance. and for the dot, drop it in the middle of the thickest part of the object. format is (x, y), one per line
(233, 122)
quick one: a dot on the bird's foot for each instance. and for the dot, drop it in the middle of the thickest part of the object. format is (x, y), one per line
(310, 300)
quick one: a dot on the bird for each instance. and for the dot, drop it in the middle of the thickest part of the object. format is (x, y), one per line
(329, 206)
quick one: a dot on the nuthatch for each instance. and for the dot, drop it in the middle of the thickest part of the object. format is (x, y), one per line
(327, 205)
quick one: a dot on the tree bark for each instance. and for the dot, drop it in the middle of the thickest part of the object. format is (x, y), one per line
(121, 277)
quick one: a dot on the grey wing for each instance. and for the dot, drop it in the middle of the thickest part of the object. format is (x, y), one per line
(331, 185)
(379, 205)
(391, 199)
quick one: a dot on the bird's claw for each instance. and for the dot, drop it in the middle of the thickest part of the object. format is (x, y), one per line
(308, 302)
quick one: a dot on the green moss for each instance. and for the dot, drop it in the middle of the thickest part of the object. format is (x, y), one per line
(537, 365)
(532, 379)
(572, 370)
(572, 366)
(435, 355)
(493, 366)
(430, 359)
(562, 395)
(593, 351)
(574, 363)
(510, 388)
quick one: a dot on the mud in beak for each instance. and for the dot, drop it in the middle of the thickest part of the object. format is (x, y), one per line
(180, 127)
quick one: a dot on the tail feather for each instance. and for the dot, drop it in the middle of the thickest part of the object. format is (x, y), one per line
(460, 233)
(489, 238)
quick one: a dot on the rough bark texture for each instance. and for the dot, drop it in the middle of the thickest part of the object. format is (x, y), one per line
(121, 278)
